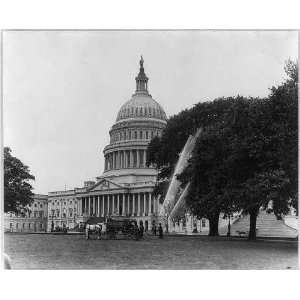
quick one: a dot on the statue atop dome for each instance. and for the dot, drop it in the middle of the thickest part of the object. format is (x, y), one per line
(141, 61)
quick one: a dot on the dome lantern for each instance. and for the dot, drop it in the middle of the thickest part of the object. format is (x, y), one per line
(141, 105)
(141, 80)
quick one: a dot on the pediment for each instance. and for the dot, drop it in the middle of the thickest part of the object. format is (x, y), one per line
(105, 185)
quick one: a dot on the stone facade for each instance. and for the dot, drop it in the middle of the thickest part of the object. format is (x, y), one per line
(32, 219)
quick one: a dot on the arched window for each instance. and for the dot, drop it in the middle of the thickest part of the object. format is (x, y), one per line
(141, 135)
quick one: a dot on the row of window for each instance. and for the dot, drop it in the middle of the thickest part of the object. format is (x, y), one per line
(55, 213)
(57, 202)
(141, 112)
(29, 226)
(133, 135)
(37, 214)
(36, 205)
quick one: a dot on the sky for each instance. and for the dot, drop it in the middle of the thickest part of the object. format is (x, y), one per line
(62, 90)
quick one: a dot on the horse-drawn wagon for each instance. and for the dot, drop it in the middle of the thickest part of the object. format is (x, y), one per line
(110, 228)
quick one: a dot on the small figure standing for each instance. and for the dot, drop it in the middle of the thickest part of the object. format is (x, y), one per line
(99, 231)
(154, 229)
(160, 231)
(87, 232)
(141, 229)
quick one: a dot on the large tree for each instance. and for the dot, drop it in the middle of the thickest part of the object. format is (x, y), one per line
(206, 173)
(246, 156)
(17, 189)
(264, 151)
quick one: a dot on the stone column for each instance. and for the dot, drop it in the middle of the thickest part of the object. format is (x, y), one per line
(144, 153)
(150, 202)
(118, 213)
(80, 206)
(131, 158)
(98, 206)
(108, 204)
(125, 159)
(102, 212)
(94, 205)
(113, 204)
(89, 206)
(144, 204)
(139, 204)
(180, 226)
(123, 206)
(138, 158)
(128, 204)
(133, 203)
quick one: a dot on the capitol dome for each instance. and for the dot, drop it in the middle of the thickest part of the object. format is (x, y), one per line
(138, 121)
(141, 105)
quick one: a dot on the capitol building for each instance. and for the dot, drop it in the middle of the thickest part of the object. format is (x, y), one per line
(126, 186)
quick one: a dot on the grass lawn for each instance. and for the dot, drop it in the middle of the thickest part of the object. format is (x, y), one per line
(47, 251)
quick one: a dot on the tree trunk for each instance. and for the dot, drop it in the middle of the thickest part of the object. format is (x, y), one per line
(252, 230)
(214, 225)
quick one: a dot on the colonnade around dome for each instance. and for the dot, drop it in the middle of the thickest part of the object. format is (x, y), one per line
(125, 159)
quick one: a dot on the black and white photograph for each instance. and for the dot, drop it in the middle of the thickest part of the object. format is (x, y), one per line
(150, 149)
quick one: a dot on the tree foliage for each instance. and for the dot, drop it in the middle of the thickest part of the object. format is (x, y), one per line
(246, 156)
(17, 189)
(163, 152)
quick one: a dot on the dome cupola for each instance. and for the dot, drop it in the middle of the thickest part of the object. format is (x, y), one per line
(141, 105)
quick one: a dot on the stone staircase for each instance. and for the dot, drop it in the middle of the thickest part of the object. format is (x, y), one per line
(267, 226)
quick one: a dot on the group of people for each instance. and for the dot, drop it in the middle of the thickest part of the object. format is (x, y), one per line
(160, 230)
